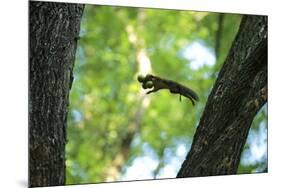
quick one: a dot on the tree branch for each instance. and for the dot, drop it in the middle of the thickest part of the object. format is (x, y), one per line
(238, 94)
(219, 34)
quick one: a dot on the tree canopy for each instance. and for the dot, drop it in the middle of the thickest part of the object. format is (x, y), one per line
(115, 131)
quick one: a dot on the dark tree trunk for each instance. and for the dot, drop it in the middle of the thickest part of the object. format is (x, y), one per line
(53, 33)
(238, 94)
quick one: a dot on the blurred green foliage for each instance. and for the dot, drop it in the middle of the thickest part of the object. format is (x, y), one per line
(105, 97)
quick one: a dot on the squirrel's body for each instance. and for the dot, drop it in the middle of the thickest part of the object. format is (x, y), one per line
(174, 87)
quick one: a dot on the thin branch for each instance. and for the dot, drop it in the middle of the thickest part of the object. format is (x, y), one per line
(219, 35)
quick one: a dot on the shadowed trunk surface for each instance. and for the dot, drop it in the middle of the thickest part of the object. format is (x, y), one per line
(238, 94)
(53, 33)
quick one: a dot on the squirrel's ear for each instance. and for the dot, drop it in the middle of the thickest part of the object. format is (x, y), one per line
(149, 76)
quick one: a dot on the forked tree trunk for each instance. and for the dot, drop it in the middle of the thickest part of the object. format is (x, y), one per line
(238, 94)
(53, 33)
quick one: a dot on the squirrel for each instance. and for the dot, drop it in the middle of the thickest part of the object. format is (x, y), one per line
(174, 87)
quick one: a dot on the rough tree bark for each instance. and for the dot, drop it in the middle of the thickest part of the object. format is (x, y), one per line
(53, 33)
(238, 94)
